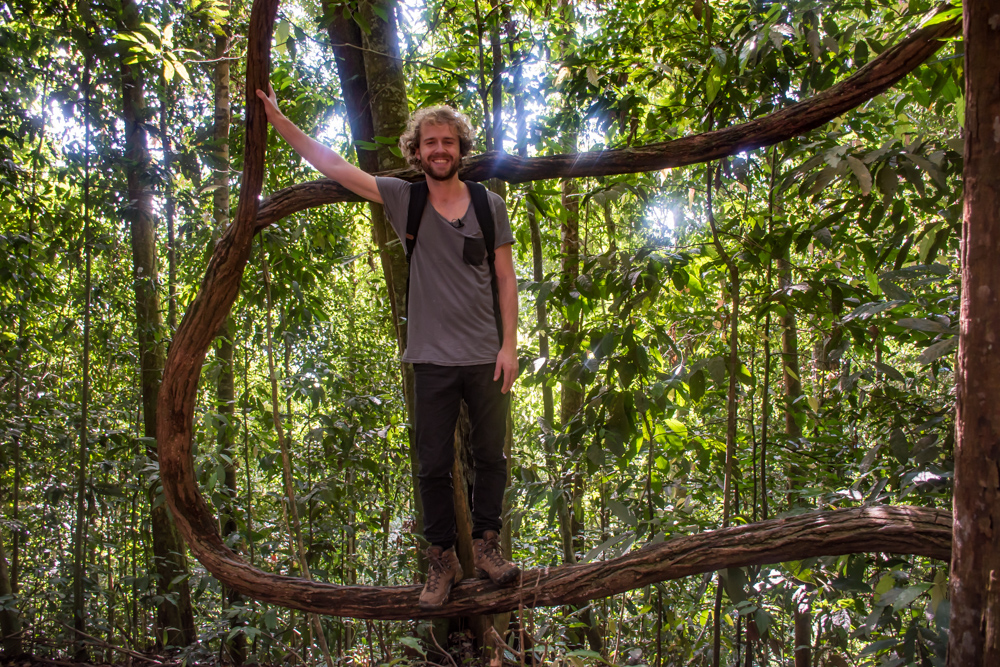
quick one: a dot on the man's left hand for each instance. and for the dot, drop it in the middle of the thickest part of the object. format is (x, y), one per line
(506, 366)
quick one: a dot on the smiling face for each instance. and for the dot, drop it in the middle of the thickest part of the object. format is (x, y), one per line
(439, 150)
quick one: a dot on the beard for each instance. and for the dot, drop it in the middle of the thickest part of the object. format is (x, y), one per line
(431, 170)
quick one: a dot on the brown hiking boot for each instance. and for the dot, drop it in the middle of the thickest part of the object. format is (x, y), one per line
(490, 562)
(443, 571)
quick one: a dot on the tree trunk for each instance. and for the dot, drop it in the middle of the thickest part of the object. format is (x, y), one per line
(975, 565)
(371, 78)
(235, 649)
(10, 619)
(169, 204)
(874, 78)
(168, 549)
(793, 391)
(728, 505)
(570, 510)
(80, 531)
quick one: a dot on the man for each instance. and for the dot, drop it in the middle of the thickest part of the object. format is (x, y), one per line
(454, 336)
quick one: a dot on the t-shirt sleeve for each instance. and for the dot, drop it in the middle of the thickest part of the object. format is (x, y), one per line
(501, 222)
(396, 200)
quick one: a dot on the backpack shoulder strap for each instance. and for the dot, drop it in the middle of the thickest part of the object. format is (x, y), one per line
(484, 215)
(418, 202)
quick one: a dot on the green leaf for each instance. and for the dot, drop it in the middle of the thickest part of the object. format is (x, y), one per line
(939, 591)
(696, 385)
(946, 15)
(734, 580)
(899, 445)
(894, 291)
(920, 324)
(623, 513)
(182, 71)
(937, 350)
(362, 23)
(861, 173)
(713, 83)
(414, 644)
(866, 310)
(889, 371)
(909, 595)
(884, 585)
(936, 174)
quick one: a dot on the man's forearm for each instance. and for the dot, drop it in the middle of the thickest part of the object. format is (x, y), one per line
(327, 161)
(507, 289)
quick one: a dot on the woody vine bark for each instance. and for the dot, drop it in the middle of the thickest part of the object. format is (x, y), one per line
(892, 530)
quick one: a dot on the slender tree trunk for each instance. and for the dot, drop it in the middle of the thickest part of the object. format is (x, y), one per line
(765, 420)
(80, 532)
(236, 648)
(169, 204)
(22, 362)
(728, 495)
(176, 617)
(975, 564)
(571, 397)
(793, 390)
(570, 510)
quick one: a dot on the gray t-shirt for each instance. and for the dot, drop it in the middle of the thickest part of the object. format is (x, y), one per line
(450, 320)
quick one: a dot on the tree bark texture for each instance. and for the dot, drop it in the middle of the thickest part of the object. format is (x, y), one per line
(975, 572)
(168, 549)
(872, 79)
(885, 529)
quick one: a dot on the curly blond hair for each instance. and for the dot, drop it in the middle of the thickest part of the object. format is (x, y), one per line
(409, 142)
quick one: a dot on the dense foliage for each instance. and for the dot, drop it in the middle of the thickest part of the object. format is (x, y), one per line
(835, 253)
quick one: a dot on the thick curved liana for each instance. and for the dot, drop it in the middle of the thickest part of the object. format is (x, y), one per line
(874, 78)
(897, 530)
(206, 314)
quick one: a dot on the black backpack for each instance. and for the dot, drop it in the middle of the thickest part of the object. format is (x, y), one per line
(481, 205)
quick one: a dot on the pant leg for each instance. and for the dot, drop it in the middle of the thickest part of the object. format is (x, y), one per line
(438, 395)
(488, 419)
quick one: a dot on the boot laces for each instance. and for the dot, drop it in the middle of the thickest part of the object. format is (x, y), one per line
(491, 550)
(437, 566)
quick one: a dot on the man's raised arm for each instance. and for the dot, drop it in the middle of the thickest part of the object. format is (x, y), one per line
(325, 160)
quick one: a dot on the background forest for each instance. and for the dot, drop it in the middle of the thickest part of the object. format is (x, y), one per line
(779, 323)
